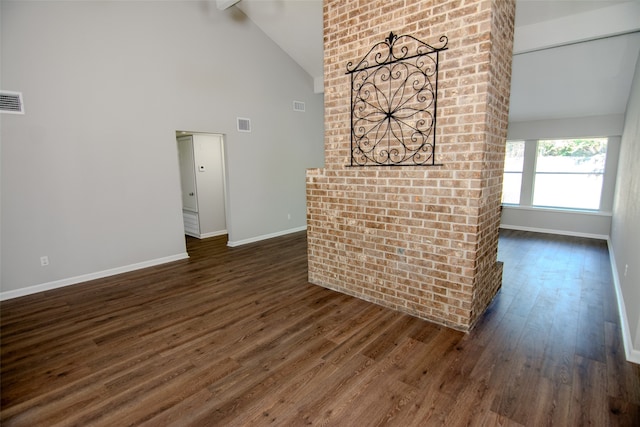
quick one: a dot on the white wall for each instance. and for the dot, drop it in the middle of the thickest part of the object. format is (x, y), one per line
(625, 229)
(594, 225)
(568, 222)
(574, 127)
(90, 172)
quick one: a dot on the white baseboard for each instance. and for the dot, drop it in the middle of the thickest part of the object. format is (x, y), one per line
(632, 354)
(213, 234)
(87, 277)
(265, 236)
(552, 231)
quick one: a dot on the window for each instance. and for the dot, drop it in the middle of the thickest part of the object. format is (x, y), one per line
(563, 173)
(569, 173)
(513, 166)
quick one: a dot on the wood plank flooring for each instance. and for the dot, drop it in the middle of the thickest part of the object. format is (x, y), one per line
(237, 336)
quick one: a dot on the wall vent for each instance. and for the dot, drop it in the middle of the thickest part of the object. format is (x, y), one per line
(11, 102)
(298, 106)
(244, 125)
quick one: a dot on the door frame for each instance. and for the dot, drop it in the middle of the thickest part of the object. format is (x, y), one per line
(225, 176)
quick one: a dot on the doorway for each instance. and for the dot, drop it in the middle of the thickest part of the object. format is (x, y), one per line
(203, 183)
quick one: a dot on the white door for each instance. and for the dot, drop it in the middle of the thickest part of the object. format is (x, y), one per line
(210, 181)
(187, 174)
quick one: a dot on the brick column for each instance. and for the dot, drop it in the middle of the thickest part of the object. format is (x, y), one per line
(422, 240)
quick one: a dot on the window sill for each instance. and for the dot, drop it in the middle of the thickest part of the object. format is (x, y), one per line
(557, 210)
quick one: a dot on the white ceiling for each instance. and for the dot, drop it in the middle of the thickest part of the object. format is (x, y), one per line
(572, 58)
(295, 25)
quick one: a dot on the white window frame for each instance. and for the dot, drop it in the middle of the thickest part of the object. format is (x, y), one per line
(529, 172)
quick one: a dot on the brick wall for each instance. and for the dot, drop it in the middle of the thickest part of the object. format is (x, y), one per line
(422, 240)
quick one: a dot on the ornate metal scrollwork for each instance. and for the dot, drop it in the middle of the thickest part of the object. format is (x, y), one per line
(394, 95)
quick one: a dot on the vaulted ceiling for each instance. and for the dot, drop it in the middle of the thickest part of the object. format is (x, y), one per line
(571, 58)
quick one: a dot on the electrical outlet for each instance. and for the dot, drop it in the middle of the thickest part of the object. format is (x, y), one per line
(44, 261)
(626, 269)
(289, 217)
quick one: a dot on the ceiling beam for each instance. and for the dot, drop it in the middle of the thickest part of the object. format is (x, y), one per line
(617, 19)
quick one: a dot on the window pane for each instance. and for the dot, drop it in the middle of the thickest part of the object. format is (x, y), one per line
(572, 155)
(569, 173)
(580, 191)
(514, 156)
(511, 185)
(513, 164)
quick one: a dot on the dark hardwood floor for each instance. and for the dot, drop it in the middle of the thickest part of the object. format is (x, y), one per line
(237, 336)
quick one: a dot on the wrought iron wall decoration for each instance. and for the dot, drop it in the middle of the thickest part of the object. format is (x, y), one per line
(394, 95)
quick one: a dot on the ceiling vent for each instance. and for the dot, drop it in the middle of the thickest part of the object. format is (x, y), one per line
(244, 125)
(298, 106)
(11, 102)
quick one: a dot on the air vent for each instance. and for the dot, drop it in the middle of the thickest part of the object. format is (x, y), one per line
(244, 125)
(11, 102)
(298, 106)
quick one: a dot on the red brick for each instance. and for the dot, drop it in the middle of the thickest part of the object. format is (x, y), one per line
(400, 236)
